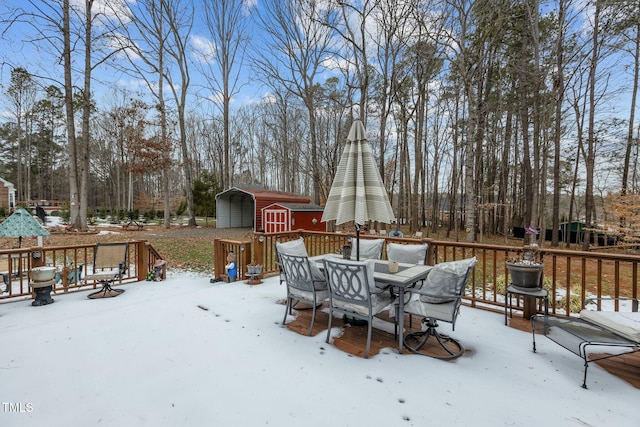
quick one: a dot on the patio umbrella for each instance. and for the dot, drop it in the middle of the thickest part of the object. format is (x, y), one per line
(21, 224)
(357, 193)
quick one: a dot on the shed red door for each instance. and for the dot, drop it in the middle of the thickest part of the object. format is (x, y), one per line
(276, 220)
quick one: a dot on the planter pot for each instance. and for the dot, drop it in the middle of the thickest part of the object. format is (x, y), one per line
(525, 275)
(42, 274)
(254, 270)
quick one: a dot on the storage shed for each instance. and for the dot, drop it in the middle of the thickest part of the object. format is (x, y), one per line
(280, 217)
(242, 207)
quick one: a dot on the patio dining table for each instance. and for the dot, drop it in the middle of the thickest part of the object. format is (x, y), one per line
(407, 275)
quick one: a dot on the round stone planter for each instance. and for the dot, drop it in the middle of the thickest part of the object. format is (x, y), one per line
(42, 274)
(525, 275)
(254, 270)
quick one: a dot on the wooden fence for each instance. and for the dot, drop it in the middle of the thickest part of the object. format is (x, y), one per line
(71, 262)
(570, 276)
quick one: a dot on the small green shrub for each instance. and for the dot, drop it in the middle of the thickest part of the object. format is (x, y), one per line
(575, 303)
(499, 285)
(181, 207)
(575, 300)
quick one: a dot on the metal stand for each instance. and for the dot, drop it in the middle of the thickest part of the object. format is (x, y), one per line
(254, 279)
(43, 292)
(415, 341)
(537, 293)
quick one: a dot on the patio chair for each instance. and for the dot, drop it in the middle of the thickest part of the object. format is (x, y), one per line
(282, 275)
(301, 285)
(292, 247)
(296, 247)
(370, 248)
(439, 299)
(409, 254)
(352, 292)
(109, 264)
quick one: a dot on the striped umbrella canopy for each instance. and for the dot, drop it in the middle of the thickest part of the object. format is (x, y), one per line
(21, 224)
(357, 193)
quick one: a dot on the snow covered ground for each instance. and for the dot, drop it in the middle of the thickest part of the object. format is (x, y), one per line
(184, 352)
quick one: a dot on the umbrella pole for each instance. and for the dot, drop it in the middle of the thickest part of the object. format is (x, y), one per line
(357, 242)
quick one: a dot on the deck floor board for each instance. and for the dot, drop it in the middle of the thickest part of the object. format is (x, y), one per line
(353, 341)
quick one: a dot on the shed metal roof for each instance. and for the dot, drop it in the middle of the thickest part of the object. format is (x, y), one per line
(299, 207)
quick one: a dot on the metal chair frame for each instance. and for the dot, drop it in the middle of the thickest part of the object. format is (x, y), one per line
(300, 285)
(110, 261)
(415, 341)
(393, 254)
(350, 293)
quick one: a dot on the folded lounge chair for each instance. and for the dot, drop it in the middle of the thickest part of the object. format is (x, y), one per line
(588, 335)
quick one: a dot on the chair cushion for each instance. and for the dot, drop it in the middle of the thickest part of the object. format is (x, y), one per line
(625, 324)
(379, 300)
(443, 279)
(370, 248)
(103, 275)
(410, 254)
(293, 247)
(441, 311)
(321, 295)
(297, 248)
(378, 303)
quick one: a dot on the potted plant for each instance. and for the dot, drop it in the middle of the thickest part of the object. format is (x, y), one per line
(254, 269)
(526, 269)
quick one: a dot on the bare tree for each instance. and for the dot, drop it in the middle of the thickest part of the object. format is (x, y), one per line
(227, 27)
(21, 95)
(600, 26)
(297, 46)
(179, 18)
(351, 24)
(68, 29)
(631, 25)
(146, 53)
(393, 30)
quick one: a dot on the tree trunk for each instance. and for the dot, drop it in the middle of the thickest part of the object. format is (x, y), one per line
(590, 154)
(81, 219)
(70, 120)
(558, 84)
(630, 141)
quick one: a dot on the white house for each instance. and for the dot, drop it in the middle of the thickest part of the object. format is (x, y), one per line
(7, 195)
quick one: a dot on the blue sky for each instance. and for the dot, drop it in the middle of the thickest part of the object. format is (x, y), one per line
(42, 59)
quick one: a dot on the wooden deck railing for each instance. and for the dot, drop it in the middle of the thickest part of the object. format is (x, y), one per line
(222, 248)
(72, 263)
(570, 276)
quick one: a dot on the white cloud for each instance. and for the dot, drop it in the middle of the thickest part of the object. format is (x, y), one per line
(204, 50)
